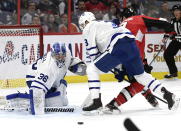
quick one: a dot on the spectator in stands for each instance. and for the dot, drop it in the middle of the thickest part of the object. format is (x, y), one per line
(95, 5)
(80, 9)
(151, 8)
(52, 25)
(7, 12)
(164, 11)
(27, 17)
(62, 7)
(36, 20)
(112, 13)
(8, 5)
(63, 28)
(2, 17)
(98, 14)
(47, 7)
(10, 20)
(107, 3)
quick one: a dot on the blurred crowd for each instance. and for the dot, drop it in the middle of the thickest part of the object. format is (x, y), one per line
(53, 14)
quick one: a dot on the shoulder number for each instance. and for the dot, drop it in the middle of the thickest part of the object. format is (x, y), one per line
(43, 77)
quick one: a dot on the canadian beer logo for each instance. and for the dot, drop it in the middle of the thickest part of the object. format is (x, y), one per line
(9, 53)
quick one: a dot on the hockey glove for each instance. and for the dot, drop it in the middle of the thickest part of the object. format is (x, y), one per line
(79, 68)
(73, 68)
(165, 38)
(119, 75)
(147, 67)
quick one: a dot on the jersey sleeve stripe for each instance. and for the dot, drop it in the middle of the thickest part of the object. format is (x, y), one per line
(41, 84)
(30, 76)
(36, 87)
(95, 47)
(94, 88)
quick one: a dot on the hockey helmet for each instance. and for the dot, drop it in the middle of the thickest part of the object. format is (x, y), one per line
(58, 49)
(86, 16)
(128, 12)
(176, 7)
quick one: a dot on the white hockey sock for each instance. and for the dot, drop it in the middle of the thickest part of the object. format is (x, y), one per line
(93, 80)
(150, 82)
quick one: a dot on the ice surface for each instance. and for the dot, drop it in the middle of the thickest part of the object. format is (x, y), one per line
(145, 117)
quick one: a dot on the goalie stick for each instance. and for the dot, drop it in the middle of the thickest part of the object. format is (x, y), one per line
(4, 107)
(47, 109)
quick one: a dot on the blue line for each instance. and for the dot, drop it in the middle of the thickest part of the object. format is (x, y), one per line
(150, 83)
(156, 87)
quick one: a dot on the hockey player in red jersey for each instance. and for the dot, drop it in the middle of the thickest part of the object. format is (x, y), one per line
(138, 25)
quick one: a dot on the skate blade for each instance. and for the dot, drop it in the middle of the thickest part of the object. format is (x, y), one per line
(176, 104)
(109, 112)
(93, 113)
(171, 79)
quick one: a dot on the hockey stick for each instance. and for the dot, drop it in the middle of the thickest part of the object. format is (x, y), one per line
(152, 94)
(165, 42)
(47, 109)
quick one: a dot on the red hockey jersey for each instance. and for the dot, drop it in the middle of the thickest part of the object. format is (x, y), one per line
(138, 26)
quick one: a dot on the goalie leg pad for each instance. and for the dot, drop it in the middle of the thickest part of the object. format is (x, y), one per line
(37, 101)
(58, 98)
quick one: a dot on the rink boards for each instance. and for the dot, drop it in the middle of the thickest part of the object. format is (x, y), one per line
(13, 69)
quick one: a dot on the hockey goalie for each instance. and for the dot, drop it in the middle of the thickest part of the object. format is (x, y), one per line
(45, 79)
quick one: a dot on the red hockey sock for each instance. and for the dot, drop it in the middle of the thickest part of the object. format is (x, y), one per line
(128, 92)
(147, 92)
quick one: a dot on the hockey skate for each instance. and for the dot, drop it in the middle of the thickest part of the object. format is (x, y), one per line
(95, 108)
(111, 108)
(150, 98)
(171, 76)
(173, 102)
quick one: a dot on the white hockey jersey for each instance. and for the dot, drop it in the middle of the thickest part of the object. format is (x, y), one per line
(99, 35)
(47, 71)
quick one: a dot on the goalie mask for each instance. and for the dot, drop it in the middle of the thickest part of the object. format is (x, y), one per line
(84, 18)
(58, 51)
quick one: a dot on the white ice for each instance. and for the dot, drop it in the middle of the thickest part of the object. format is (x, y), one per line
(145, 117)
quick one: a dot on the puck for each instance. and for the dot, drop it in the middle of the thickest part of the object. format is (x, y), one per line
(80, 123)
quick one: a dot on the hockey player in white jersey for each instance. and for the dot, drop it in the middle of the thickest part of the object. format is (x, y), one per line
(45, 79)
(107, 46)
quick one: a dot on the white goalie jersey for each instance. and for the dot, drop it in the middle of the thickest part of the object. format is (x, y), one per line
(45, 79)
(48, 72)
